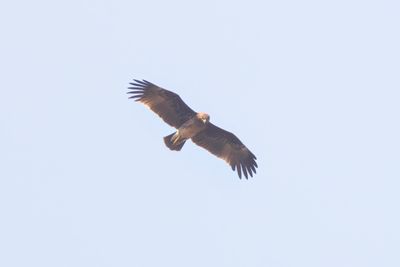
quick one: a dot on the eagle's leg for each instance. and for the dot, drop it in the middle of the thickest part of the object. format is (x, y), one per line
(175, 138)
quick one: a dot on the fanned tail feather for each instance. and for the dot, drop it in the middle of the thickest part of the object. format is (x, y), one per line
(177, 146)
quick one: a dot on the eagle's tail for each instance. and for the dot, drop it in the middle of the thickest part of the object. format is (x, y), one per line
(172, 142)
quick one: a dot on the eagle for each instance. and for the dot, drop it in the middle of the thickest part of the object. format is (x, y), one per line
(193, 125)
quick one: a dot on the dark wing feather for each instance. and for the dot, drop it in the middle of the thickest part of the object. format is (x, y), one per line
(228, 147)
(168, 105)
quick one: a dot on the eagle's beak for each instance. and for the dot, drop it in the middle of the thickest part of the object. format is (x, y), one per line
(204, 120)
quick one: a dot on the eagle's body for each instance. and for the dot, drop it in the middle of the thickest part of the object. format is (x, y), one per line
(186, 131)
(195, 126)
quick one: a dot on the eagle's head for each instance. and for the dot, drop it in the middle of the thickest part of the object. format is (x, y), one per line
(204, 117)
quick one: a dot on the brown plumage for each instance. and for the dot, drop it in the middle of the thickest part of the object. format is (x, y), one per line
(195, 126)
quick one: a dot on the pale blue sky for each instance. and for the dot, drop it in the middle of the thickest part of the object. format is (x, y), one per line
(311, 87)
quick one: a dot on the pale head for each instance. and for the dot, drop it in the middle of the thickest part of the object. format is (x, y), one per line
(204, 117)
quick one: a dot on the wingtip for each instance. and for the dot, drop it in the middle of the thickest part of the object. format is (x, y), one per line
(142, 82)
(147, 82)
(244, 171)
(239, 171)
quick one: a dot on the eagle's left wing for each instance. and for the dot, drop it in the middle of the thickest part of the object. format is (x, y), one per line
(228, 147)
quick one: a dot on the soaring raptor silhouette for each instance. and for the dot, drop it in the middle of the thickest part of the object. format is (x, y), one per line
(192, 125)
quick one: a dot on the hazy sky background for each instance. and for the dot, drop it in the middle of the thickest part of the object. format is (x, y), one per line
(311, 87)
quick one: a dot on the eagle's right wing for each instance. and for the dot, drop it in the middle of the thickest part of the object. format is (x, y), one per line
(228, 147)
(168, 105)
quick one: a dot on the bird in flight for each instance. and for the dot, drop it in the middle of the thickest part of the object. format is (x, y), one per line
(195, 126)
